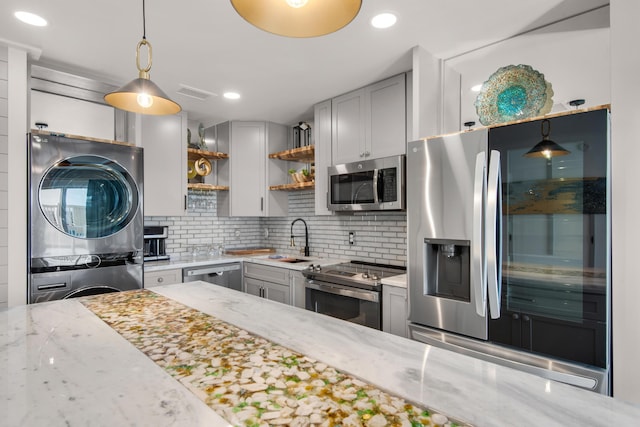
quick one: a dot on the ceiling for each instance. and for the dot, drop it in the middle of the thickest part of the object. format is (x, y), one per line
(205, 44)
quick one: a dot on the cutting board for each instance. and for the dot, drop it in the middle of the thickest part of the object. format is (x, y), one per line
(250, 251)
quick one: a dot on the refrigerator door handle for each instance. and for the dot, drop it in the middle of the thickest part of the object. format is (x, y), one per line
(494, 234)
(478, 258)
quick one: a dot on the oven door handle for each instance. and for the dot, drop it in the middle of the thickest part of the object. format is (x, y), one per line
(330, 288)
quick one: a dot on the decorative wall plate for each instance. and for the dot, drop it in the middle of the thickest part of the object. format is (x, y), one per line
(513, 92)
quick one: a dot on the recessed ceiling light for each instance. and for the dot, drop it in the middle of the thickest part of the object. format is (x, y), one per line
(231, 95)
(31, 18)
(476, 88)
(384, 20)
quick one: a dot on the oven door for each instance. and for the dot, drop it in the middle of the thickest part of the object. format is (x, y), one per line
(354, 305)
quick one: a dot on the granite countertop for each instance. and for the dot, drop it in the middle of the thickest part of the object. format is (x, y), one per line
(191, 261)
(399, 281)
(65, 366)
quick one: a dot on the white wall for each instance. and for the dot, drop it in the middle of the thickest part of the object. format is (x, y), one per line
(72, 116)
(4, 184)
(17, 172)
(625, 90)
(427, 98)
(572, 54)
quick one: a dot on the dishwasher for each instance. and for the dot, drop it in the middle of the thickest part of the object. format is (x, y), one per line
(228, 275)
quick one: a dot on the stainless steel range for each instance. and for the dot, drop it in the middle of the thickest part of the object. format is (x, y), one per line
(350, 291)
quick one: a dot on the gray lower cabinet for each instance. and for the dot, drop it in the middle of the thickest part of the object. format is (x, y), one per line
(267, 282)
(394, 310)
(162, 277)
(297, 288)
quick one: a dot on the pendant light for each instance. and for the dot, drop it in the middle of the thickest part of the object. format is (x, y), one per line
(142, 95)
(546, 148)
(298, 18)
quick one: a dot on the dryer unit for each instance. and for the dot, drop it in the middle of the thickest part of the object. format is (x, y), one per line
(86, 216)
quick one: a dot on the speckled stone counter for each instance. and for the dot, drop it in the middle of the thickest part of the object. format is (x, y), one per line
(62, 365)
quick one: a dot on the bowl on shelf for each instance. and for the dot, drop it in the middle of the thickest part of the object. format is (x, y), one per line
(299, 177)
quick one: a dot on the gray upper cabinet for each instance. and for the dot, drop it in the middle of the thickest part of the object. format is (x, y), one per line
(347, 127)
(370, 123)
(250, 172)
(322, 138)
(164, 139)
(386, 118)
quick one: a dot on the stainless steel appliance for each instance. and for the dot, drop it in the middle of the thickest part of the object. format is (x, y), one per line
(349, 291)
(155, 243)
(509, 256)
(228, 275)
(369, 185)
(85, 216)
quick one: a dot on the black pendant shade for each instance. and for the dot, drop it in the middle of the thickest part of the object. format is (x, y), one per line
(131, 97)
(546, 148)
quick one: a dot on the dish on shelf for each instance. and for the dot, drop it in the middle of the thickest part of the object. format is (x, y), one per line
(513, 92)
(191, 169)
(203, 166)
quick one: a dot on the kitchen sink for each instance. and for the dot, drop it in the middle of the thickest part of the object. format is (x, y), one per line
(286, 258)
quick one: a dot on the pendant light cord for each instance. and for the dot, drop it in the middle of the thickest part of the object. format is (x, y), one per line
(144, 23)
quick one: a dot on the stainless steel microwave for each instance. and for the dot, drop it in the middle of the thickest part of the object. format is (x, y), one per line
(369, 185)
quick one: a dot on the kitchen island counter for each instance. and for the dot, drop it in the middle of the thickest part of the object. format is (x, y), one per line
(65, 366)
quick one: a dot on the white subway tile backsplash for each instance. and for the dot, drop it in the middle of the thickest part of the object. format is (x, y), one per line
(380, 237)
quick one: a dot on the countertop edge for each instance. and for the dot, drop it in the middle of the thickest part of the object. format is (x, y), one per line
(185, 262)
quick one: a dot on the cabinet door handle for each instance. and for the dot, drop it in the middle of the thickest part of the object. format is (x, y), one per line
(366, 154)
(261, 204)
(526, 318)
(160, 280)
(362, 154)
(185, 202)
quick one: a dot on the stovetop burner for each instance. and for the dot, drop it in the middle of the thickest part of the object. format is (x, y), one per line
(355, 273)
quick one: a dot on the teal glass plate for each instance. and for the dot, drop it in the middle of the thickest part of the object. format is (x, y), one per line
(513, 92)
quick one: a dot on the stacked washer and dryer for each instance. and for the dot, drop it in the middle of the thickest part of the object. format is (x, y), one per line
(86, 217)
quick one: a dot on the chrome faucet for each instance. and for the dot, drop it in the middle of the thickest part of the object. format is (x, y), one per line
(306, 236)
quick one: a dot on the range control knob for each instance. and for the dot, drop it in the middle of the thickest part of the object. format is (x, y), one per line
(317, 268)
(374, 277)
(365, 275)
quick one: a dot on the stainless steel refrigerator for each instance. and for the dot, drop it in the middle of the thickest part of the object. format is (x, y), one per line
(509, 245)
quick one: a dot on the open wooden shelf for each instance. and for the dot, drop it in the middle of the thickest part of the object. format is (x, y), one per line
(207, 187)
(294, 186)
(302, 154)
(195, 154)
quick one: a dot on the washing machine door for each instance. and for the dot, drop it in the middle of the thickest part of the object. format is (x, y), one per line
(88, 197)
